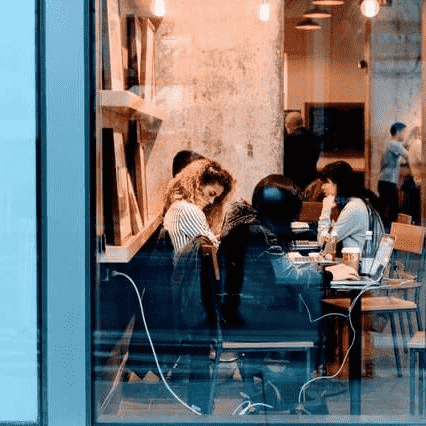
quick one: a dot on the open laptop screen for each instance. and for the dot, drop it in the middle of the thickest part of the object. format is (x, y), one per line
(382, 257)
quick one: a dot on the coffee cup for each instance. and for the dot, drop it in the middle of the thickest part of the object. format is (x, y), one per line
(351, 256)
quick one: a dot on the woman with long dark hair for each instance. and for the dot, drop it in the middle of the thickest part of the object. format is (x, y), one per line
(346, 209)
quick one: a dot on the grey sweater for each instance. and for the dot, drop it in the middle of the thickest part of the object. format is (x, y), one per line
(351, 225)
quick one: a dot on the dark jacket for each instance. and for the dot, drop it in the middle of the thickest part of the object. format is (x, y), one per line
(301, 153)
(255, 266)
(194, 292)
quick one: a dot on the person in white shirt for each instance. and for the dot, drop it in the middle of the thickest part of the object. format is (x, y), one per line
(411, 185)
(194, 200)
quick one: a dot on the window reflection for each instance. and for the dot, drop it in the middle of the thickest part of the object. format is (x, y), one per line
(230, 319)
(19, 376)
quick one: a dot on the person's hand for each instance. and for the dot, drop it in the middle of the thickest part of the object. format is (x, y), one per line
(323, 237)
(328, 202)
(343, 272)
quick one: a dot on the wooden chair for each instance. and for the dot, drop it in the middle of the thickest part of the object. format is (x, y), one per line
(408, 239)
(408, 251)
(404, 218)
(417, 348)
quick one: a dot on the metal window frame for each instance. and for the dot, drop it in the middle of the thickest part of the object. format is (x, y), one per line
(66, 204)
(64, 131)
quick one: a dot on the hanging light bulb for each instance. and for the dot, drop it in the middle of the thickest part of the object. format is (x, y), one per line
(159, 8)
(264, 11)
(370, 8)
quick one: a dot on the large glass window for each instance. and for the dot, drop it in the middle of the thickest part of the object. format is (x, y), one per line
(221, 129)
(19, 371)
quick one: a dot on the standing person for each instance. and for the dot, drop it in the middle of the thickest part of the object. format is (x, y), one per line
(301, 152)
(411, 185)
(194, 200)
(390, 167)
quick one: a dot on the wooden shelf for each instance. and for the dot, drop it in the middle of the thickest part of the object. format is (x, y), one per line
(128, 104)
(125, 253)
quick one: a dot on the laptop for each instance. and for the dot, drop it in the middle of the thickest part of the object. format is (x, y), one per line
(380, 262)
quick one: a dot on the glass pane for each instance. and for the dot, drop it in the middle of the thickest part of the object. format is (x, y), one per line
(19, 379)
(219, 297)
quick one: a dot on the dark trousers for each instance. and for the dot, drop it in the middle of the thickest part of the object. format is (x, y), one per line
(389, 202)
(411, 199)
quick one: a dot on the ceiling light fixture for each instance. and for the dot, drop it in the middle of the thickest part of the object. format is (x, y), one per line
(370, 8)
(317, 13)
(308, 24)
(159, 8)
(264, 11)
(328, 2)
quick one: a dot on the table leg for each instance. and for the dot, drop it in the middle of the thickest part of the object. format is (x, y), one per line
(412, 381)
(355, 358)
(421, 371)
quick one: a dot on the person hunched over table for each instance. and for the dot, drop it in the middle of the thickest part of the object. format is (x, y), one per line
(253, 237)
(252, 232)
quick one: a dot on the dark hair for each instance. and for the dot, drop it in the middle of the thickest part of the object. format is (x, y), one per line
(277, 200)
(190, 179)
(182, 159)
(342, 174)
(396, 128)
(216, 174)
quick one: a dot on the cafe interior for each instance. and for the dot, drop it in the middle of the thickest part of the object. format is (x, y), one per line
(251, 317)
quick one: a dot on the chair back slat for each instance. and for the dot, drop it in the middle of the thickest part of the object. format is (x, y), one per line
(404, 218)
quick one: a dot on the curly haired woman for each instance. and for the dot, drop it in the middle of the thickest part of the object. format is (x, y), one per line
(194, 200)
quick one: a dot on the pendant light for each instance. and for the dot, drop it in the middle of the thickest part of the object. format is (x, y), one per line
(159, 8)
(264, 11)
(370, 8)
(317, 13)
(308, 24)
(328, 2)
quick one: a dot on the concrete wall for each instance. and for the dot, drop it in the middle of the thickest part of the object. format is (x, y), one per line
(219, 82)
(396, 73)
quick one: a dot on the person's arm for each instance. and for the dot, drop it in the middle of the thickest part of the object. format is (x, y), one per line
(306, 274)
(350, 220)
(324, 221)
(193, 223)
(398, 149)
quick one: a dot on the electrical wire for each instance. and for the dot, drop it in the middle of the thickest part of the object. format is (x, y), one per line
(363, 290)
(249, 403)
(194, 410)
(249, 406)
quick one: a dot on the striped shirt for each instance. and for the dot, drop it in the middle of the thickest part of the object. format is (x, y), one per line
(184, 221)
